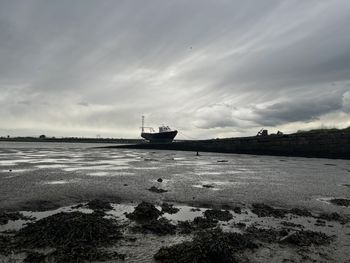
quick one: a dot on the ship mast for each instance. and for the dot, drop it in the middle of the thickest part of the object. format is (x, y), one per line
(143, 123)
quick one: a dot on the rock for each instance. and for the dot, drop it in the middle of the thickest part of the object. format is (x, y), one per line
(208, 186)
(159, 180)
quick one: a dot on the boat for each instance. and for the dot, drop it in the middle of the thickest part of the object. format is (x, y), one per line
(164, 135)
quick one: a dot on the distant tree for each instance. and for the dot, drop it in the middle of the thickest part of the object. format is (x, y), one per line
(42, 136)
(8, 136)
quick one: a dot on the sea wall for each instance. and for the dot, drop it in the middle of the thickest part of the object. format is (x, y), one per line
(322, 145)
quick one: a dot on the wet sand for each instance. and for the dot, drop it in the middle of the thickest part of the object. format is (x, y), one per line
(43, 181)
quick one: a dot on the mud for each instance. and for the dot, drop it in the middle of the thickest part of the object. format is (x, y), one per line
(144, 212)
(218, 215)
(38, 205)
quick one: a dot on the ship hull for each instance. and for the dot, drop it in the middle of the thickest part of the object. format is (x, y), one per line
(161, 137)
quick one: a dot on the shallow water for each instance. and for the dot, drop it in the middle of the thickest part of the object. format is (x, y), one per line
(67, 173)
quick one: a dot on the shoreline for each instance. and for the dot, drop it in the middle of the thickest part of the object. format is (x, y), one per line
(264, 233)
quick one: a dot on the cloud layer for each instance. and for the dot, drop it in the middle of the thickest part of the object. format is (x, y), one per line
(207, 68)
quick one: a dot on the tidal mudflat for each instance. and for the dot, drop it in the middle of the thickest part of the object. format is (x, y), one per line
(163, 206)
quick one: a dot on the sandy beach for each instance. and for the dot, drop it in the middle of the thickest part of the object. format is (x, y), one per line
(277, 203)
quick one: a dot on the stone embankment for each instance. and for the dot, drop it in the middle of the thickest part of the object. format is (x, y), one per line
(320, 144)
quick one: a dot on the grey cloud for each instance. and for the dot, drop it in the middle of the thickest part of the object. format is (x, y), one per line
(207, 65)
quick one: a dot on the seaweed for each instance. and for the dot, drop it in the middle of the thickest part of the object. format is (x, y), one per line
(159, 227)
(99, 205)
(262, 210)
(5, 217)
(156, 190)
(340, 202)
(218, 215)
(169, 208)
(208, 246)
(75, 236)
(144, 212)
(307, 238)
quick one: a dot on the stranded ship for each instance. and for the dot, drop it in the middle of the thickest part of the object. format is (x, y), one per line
(164, 135)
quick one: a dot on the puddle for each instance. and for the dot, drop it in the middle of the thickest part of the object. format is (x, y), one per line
(59, 182)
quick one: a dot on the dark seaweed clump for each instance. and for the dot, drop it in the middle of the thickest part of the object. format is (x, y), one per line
(159, 227)
(307, 238)
(203, 223)
(288, 236)
(99, 205)
(169, 208)
(75, 236)
(209, 246)
(6, 244)
(218, 215)
(333, 217)
(300, 212)
(157, 190)
(198, 224)
(144, 212)
(5, 217)
(340, 202)
(269, 235)
(263, 210)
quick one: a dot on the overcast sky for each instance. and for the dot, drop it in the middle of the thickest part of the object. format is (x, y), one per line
(207, 68)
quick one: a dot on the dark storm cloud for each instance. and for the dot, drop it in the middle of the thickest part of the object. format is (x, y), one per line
(202, 66)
